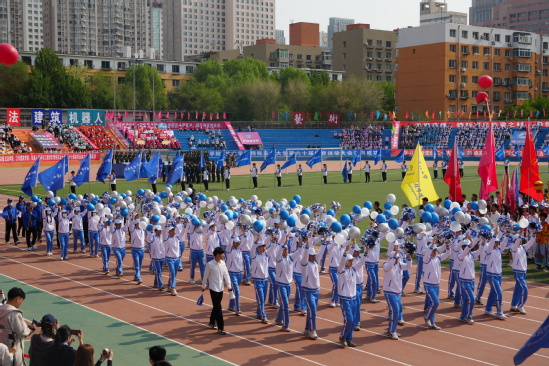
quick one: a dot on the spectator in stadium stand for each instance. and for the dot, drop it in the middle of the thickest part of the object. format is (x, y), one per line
(367, 137)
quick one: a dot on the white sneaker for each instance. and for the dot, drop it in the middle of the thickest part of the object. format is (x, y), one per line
(521, 310)
(401, 322)
(332, 304)
(501, 316)
(489, 313)
(428, 322)
(313, 335)
(394, 336)
(514, 309)
(303, 312)
(435, 327)
(33, 247)
(470, 321)
(275, 305)
(192, 282)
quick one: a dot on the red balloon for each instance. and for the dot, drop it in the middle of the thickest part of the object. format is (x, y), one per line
(8, 54)
(485, 81)
(481, 97)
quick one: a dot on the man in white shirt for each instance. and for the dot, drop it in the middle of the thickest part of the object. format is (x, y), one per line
(367, 172)
(72, 183)
(216, 273)
(112, 179)
(300, 175)
(278, 174)
(325, 174)
(350, 172)
(384, 171)
(205, 178)
(404, 169)
(435, 170)
(227, 177)
(254, 175)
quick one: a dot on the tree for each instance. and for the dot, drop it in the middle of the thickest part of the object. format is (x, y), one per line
(102, 91)
(288, 74)
(195, 96)
(242, 70)
(354, 95)
(148, 85)
(296, 95)
(264, 96)
(12, 83)
(388, 96)
(319, 77)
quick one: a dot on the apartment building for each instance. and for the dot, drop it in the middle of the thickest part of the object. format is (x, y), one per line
(523, 15)
(21, 24)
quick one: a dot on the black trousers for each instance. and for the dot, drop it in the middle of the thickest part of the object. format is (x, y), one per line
(86, 232)
(384, 176)
(350, 178)
(443, 172)
(154, 188)
(20, 227)
(300, 179)
(325, 179)
(206, 184)
(254, 180)
(11, 228)
(216, 317)
(403, 175)
(279, 181)
(367, 174)
(39, 227)
(30, 235)
(227, 183)
(113, 187)
(461, 172)
(182, 185)
(73, 189)
(435, 174)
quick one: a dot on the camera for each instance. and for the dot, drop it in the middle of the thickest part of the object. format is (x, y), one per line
(106, 352)
(75, 331)
(13, 337)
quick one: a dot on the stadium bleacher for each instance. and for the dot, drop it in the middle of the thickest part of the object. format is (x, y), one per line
(298, 138)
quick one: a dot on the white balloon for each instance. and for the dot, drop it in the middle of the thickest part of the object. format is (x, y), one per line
(395, 210)
(168, 190)
(299, 224)
(364, 211)
(91, 196)
(467, 219)
(142, 225)
(418, 228)
(184, 194)
(200, 229)
(482, 204)
(99, 207)
(383, 228)
(77, 203)
(330, 220)
(189, 191)
(156, 211)
(428, 229)
(245, 219)
(460, 217)
(258, 203)
(178, 199)
(203, 223)
(119, 198)
(131, 206)
(268, 204)
(188, 210)
(49, 194)
(145, 219)
(359, 218)
(114, 193)
(223, 219)
(162, 219)
(57, 199)
(304, 218)
(390, 237)
(209, 200)
(283, 225)
(354, 232)
(233, 202)
(453, 205)
(339, 239)
(373, 215)
(399, 232)
(79, 197)
(128, 193)
(128, 199)
(253, 198)
(482, 211)
(229, 225)
(215, 199)
(391, 198)
(203, 204)
(455, 226)
(34, 204)
(210, 206)
(420, 212)
(444, 211)
(523, 223)
(483, 221)
(345, 233)
(122, 204)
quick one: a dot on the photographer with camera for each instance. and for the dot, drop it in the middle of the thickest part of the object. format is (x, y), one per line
(84, 356)
(13, 326)
(62, 354)
(41, 344)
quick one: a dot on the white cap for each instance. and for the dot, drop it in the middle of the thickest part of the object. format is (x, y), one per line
(171, 228)
(349, 257)
(235, 239)
(312, 251)
(356, 248)
(466, 242)
(157, 227)
(77, 208)
(136, 222)
(276, 221)
(430, 239)
(400, 241)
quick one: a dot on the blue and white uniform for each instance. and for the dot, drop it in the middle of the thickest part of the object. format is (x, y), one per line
(431, 280)
(372, 263)
(284, 269)
(336, 253)
(137, 244)
(311, 285)
(78, 229)
(272, 249)
(158, 255)
(346, 289)
(392, 288)
(49, 229)
(358, 265)
(519, 264)
(197, 251)
(260, 275)
(105, 240)
(420, 251)
(235, 264)
(63, 232)
(467, 279)
(493, 274)
(93, 233)
(171, 248)
(119, 246)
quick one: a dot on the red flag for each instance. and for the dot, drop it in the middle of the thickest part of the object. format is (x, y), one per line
(333, 119)
(515, 114)
(522, 113)
(309, 116)
(168, 115)
(273, 115)
(529, 168)
(544, 112)
(512, 191)
(211, 116)
(477, 114)
(189, 116)
(196, 115)
(217, 116)
(484, 114)
(487, 166)
(427, 114)
(407, 116)
(203, 115)
(504, 188)
(452, 177)
(371, 115)
(531, 113)
(433, 115)
(126, 115)
(320, 115)
(224, 116)
(298, 119)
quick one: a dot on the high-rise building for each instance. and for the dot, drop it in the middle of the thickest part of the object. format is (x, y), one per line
(337, 25)
(439, 66)
(432, 11)
(364, 52)
(21, 24)
(481, 10)
(524, 15)
(280, 37)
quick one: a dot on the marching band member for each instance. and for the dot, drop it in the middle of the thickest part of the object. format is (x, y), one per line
(171, 248)
(119, 246)
(346, 288)
(310, 285)
(431, 279)
(234, 262)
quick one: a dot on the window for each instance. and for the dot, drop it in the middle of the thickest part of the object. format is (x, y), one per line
(475, 35)
(474, 65)
(452, 33)
(452, 108)
(474, 79)
(175, 83)
(388, 44)
(486, 51)
(160, 67)
(464, 64)
(475, 50)
(507, 67)
(452, 48)
(464, 34)
(522, 67)
(521, 81)
(388, 78)
(464, 79)
(497, 67)
(465, 50)
(175, 69)
(521, 95)
(522, 52)
(452, 64)
(507, 53)
(497, 37)
(497, 51)
(452, 78)
(309, 57)
(379, 43)
(486, 65)
(106, 65)
(344, 44)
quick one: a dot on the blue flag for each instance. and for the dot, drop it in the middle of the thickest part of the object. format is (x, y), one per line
(461, 153)
(377, 159)
(131, 171)
(435, 155)
(540, 339)
(83, 174)
(500, 154)
(400, 157)
(344, 173)
(152, 168)
(315, 159)
(105, 168)
(445, 156)
(202, 163)
(356, 157)
(517, 152)
(176, 173)
(244, 159)
(53, 178)
(30, 178)
(270, 160)
(291, 161)
(221, 161)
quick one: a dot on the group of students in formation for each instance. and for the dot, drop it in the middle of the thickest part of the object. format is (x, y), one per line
(243, 242)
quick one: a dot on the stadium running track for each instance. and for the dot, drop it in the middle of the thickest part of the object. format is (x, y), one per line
(248, 342)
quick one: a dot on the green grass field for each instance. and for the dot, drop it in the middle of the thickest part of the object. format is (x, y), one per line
(311, 192)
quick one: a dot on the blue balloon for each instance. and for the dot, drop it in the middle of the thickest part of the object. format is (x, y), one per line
(163, 194)
(474, 206)
(357, 209)
(93, 202)
(486, 227)
(168, 216)
(345, 220)
(434, 218)
(293, 203)
(429, 208)
(90, 207)
(34, 198)
(113, 201)
(387, 205)
(516, 227)
(150, 227)
(223, 207)
(387, 214)
(330, 212)
(155, 218)
(140, 191)
(307, 212)
(393, 224)
(381, 219)
(169, 186)
(426, 216)
(51, 202)
(189, 200)
(455, 209)
(297, 198)
(202, 197)
(272, 210)
(72, 196)
(235, 215)
(124, 212)
(291, 221)
(195, 221)
(336, 227)
(109, 222)
(447, 204)
(284, 215)
(259, 225)
(368, 205)
(157, 199)
(123, 195)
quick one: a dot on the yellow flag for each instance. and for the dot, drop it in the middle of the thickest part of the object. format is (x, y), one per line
(417, 183)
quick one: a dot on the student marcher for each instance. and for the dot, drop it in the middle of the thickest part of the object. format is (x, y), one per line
(346, 288)
(367, 172)
(254, 175)
(310, 285)
(392, 289)
(216, 273)
(299, 175)
(519, 264)
(431, 280)
(10, 214)
(325, 174)
(235, 265)
(12, 323)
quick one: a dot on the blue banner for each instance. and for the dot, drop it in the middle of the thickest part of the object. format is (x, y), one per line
(30, 179)
(518, 137)
(83, 117)
(56, 116)
(38, 116)
(131, 172)
(83, 174)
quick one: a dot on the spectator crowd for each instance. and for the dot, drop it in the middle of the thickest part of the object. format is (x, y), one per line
(366, 137)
